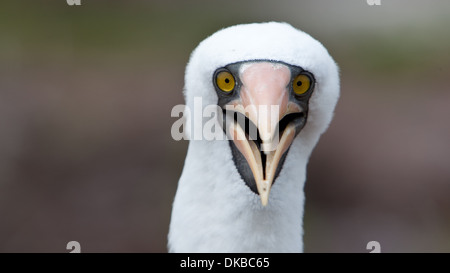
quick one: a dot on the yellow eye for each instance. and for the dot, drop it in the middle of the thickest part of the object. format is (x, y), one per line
(301, 84)
(225, 81)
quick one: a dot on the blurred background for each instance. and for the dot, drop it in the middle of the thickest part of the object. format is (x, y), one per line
(86, 93)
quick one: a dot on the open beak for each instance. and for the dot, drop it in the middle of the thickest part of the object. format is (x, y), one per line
(264, 105)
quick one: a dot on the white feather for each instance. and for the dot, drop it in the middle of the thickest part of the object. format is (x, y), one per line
(214, 210)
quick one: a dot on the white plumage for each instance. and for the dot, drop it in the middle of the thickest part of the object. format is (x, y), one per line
(214, 210)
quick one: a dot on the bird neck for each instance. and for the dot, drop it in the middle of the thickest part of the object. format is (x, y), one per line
(215, 211)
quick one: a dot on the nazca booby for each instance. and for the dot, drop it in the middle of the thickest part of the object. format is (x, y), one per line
(222, 203)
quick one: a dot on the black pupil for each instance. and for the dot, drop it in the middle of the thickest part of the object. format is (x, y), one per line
(299, 83)
(227, 80)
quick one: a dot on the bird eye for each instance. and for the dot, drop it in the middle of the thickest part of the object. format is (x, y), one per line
(301, 84)
(225, 81)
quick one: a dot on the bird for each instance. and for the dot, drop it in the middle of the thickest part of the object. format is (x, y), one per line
(245, 194)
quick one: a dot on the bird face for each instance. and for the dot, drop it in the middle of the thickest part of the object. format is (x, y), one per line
(277, 87)
(265, 106)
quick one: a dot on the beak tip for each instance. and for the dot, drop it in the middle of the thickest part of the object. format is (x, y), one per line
(264, 201)
(264, 195)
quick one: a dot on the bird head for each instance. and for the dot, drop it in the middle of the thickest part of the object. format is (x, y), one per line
(274, 85)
